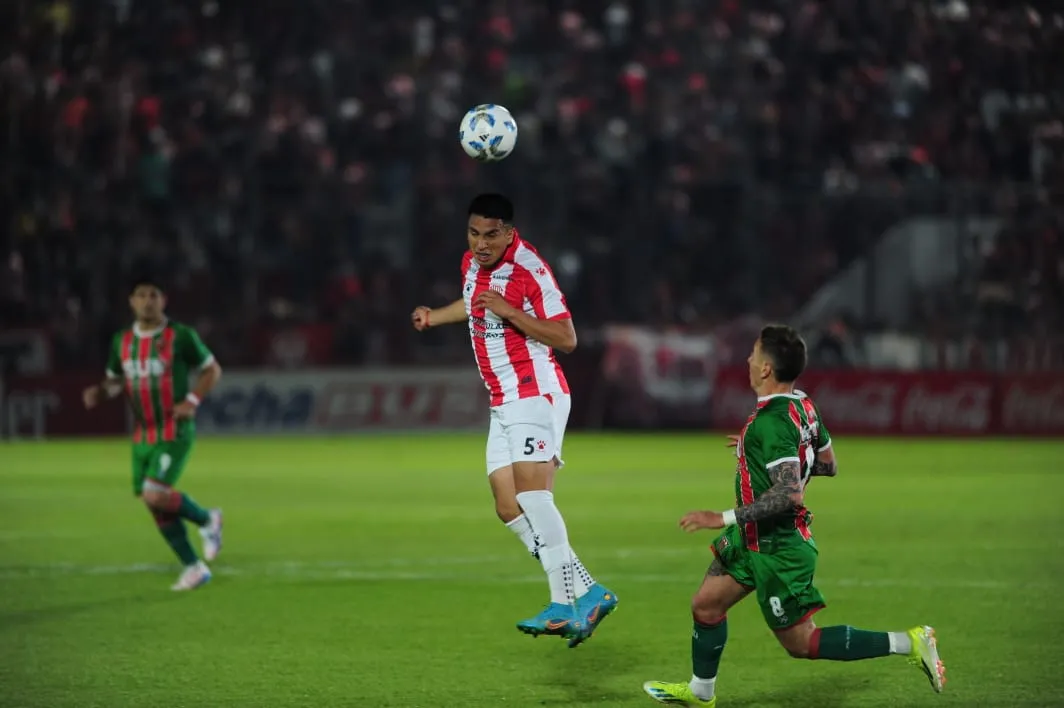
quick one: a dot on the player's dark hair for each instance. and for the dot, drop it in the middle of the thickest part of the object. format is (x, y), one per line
(786, 349)
(145, 279)
(492, 206)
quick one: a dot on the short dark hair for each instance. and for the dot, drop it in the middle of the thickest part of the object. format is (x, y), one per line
(786, 349)
(145, 279)
(492, 206)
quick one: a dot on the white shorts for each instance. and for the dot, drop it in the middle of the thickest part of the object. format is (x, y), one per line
(527, 430)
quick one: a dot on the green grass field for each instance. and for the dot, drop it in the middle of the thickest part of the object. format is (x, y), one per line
(372, 572)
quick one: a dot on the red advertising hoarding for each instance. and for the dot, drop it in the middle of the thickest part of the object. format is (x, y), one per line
(912, 403)
(40, 406)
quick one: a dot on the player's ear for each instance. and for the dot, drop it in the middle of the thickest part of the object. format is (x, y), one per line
(509, 234)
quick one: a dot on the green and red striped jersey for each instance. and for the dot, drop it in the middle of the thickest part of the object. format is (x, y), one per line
(783, 428)
(156, 366)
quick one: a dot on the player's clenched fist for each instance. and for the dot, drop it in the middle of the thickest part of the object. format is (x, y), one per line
(491, 300)
(90, 397)
(698, 520)
(420, 318)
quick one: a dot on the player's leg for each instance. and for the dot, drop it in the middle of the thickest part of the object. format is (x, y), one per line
(171, 508)
(509, 511)
(501, 481)
(146, 461)
(788, 600)
(161, 494)
(594, 601)
(529, 428)
(844, 643)
(725, 584)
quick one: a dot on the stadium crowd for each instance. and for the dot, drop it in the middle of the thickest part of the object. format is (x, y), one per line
(297, 161)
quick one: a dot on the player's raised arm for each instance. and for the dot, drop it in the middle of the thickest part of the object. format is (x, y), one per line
(557, 334)
(550, 322)
(424, 317)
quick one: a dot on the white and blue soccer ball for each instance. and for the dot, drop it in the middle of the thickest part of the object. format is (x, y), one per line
(488, 132)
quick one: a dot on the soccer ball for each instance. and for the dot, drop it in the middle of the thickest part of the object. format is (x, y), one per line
(488, 132)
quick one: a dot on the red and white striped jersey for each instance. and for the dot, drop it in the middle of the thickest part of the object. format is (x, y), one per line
(513, 365)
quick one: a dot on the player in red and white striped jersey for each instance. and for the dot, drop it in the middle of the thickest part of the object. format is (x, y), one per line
(517, 316)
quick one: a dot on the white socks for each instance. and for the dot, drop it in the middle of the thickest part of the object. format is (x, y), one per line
(543, 516)
(900, 643)
(582, 580)
(703, 688)
(523, 530)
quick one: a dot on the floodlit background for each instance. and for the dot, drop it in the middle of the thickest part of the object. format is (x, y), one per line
(885, 175)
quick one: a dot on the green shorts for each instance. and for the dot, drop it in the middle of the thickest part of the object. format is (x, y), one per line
(163, 462)
(783, 578)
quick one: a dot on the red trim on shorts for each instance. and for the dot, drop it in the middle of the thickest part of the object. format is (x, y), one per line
(550, 398)
(805, 617)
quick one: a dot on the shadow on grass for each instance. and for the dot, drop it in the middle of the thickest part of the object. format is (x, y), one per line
(15, 620)
(591, 678)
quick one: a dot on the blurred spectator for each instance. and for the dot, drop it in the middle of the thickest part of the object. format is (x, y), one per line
(297, 163)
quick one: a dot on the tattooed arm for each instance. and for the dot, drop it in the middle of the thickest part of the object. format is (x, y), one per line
(784, 495)
(825, 465)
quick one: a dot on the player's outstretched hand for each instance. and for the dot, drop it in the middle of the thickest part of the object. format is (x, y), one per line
(420, 318)
(698, 520)
(185, 410)
(491, 300)
(733, 441)
(90, 397)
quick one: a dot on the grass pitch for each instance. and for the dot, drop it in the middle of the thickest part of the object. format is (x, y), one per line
(370, 572)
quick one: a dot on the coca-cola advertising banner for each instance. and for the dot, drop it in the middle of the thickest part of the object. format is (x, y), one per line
(41, 406)
(903, 403)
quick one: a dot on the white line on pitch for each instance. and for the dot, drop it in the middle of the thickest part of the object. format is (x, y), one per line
(339, 571)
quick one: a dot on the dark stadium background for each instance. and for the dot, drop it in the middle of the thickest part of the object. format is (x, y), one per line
(885, 175)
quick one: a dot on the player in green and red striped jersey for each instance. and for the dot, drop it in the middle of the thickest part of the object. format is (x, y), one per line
(767, 547)
(152, 362)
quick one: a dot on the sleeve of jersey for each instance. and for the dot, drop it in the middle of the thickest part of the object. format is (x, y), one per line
(114, 359)
(194, 351)
(824, 437)
(779, 440)
(543, 293)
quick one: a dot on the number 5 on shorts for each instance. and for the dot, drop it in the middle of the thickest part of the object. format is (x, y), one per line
(530, 446)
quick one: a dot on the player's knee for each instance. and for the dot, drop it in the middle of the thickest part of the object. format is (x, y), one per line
(157, 496)
(797, 640)
(154, 498)
(707, 610)
(507, 510)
